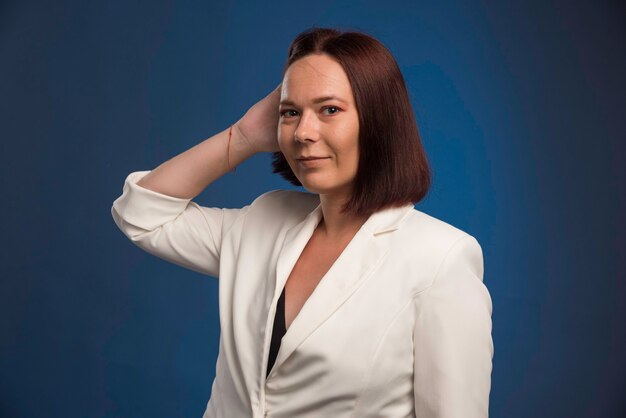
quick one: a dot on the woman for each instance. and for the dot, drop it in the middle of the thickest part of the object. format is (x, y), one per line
(343, 301)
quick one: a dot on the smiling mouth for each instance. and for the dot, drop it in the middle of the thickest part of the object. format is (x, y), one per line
(311, 162)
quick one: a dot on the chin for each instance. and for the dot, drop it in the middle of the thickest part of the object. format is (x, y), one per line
(315, 186)
(321, 187)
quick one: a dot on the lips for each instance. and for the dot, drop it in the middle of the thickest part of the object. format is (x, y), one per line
(312, 162)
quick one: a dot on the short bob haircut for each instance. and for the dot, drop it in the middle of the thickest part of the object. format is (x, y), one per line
(392, 169)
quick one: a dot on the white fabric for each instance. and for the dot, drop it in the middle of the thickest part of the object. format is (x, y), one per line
(400, 326)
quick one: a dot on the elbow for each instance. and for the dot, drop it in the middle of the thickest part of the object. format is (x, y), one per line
(131, 231)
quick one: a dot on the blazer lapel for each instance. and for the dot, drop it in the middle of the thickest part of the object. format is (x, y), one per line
(360, 257)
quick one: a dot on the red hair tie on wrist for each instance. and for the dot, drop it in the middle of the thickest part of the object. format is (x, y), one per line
(230, 132)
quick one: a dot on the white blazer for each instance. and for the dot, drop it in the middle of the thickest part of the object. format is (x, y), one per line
(400, 326)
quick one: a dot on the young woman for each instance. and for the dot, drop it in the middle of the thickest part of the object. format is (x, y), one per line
(342, 300)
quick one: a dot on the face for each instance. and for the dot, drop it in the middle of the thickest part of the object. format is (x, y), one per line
(311, 127)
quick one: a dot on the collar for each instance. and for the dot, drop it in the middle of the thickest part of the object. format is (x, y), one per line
(384, 220)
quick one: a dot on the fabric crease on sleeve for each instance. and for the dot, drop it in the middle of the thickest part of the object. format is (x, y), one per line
(177, 230)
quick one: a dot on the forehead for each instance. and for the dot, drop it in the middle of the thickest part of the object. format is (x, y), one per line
(315, 76)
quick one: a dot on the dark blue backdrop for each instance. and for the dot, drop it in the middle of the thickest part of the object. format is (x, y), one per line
(521, 108)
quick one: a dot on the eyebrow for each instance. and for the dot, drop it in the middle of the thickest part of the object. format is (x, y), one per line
(316, 100)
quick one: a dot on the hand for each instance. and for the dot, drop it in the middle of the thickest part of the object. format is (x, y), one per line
(258, 128)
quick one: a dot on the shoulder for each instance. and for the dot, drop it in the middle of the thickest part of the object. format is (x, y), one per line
(296, 199)
(437, 231)
(429, 242)
(286, 205)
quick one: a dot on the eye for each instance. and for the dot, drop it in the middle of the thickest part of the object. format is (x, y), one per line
(284, 112)
(332, 107)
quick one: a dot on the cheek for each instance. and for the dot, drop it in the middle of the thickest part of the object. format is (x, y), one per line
(350, 147)
(281, 138)
(286, 147)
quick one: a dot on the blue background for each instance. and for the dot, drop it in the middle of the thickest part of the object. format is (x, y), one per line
(520, 106)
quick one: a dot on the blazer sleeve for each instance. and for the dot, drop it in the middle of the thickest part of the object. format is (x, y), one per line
(177, 230)
(453, 346)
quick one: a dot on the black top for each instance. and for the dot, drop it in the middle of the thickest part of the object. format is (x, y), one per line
(278, 331)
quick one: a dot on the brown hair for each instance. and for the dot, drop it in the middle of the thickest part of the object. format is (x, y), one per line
(393, 169)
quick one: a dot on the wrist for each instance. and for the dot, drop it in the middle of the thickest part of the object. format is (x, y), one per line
(240, 143)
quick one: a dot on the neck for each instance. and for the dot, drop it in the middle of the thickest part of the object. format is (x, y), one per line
(334, 224)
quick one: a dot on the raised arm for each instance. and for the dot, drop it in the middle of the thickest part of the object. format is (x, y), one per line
(156, 212)
(186, 175)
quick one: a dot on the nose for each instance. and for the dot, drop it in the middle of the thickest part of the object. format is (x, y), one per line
(306, 130)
